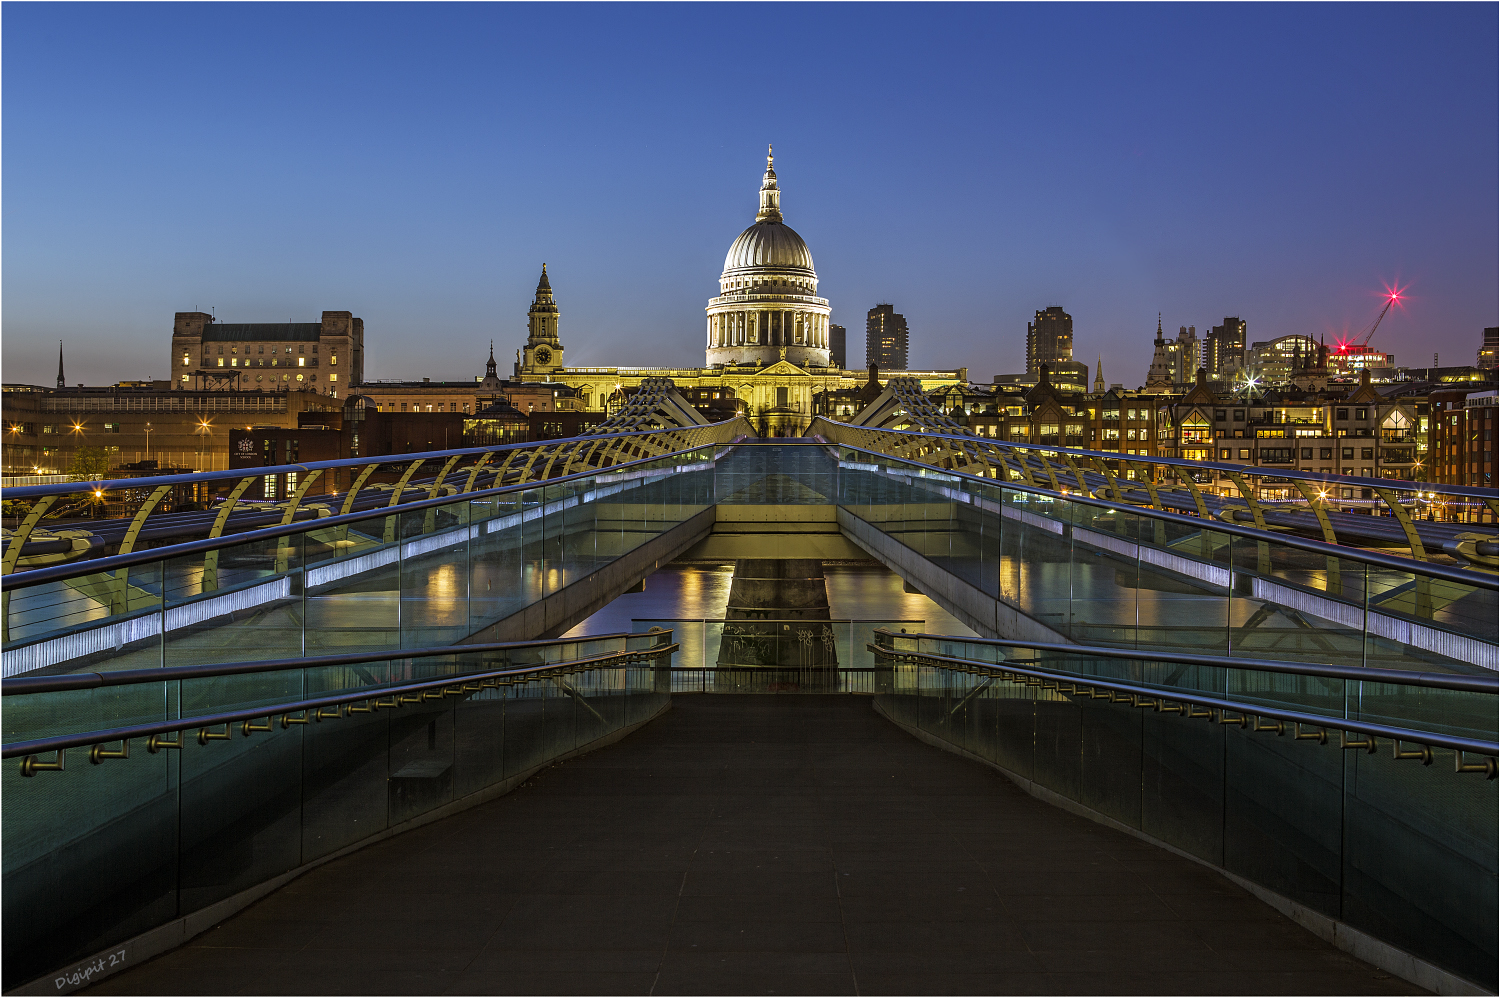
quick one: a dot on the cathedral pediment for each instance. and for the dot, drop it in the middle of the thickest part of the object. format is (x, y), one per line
(782, 369)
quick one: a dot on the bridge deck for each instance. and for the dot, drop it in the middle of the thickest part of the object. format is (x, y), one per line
(758, 845)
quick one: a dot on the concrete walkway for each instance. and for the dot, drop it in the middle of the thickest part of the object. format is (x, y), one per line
(760, 845)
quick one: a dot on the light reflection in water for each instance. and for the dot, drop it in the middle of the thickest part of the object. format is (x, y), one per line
(700, 590)
(444, 583)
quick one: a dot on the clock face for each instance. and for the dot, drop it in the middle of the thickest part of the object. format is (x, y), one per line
(543, 355)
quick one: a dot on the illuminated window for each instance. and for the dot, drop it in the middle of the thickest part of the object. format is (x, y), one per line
(221, 361)
(299, 377)
(333, 361)
(301, 362)
(333, 377)
(184, 360)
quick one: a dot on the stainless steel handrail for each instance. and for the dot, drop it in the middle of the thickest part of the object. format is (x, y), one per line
(69, 488)
(1489, 684)
(1477, 580)
(1158, 697)
(28, 685)
(1393, 483)
(73, 569)
(68, 570)
(449, 684)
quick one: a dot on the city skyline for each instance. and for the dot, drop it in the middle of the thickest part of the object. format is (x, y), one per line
(425, 199)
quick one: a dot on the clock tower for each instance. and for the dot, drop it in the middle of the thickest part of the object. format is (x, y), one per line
(543, 354)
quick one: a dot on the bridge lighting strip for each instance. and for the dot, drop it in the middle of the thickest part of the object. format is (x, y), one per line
(27, 686)
(1159, 699)
(373, 698)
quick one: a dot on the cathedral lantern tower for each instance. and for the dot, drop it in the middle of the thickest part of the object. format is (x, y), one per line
(768, 309)
(543, 355)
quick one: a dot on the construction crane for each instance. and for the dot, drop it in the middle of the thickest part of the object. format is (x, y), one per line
(1392, 296)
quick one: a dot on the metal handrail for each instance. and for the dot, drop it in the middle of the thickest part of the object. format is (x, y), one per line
(68, 488)
(68, 570)
(1158, 697)
(1396, 677)
(1475, 579)
(1464, 490)
(26, 686)
(310, 708)
(72, 569)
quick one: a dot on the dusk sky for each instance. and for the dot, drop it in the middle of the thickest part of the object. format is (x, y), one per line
(416, 164)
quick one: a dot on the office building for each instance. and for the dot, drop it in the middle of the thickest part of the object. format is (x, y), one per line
(1049, 339)
(1224, 352)
(886, 338)
(1278, 361)
(133, 422)
(1488, 350)
(837, 347)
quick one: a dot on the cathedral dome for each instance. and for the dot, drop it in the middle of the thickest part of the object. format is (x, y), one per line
(771, 244)
(768, 307)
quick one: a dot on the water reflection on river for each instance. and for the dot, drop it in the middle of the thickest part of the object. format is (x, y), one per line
(700, 590)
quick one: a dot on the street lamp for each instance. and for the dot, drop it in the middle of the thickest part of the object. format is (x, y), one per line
(204, 427)
(148, 441)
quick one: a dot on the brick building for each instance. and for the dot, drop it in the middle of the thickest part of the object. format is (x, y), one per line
(1461, 438)
(324, 357)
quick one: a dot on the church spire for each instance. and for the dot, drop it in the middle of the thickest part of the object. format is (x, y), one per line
(489, 367)
(62, 382)
(543, 285)
(770, 195)
(1099, 378)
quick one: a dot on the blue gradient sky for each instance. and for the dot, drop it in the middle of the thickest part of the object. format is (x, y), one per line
(971, 164)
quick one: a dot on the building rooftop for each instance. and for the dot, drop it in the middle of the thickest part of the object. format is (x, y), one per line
(225, 332)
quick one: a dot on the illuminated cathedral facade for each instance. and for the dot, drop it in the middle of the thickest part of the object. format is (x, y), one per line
(767, 344)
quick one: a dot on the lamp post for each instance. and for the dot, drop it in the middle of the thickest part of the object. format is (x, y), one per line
(204, 427)
(77, 429)
(148, 441)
